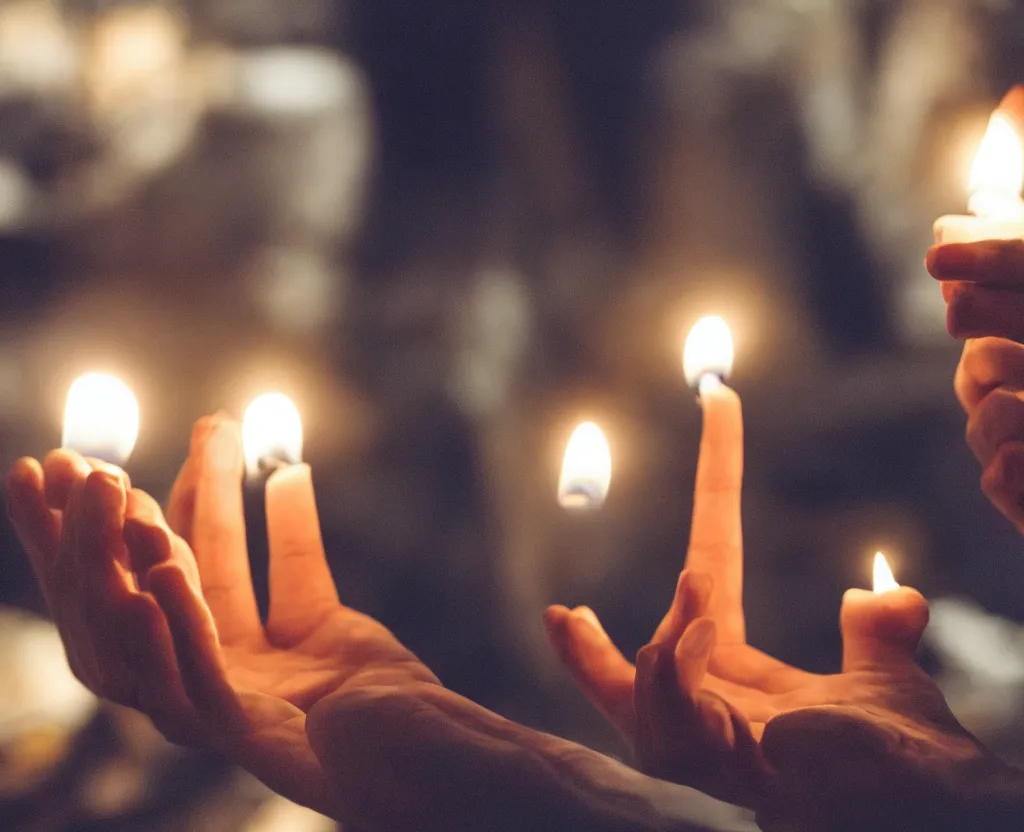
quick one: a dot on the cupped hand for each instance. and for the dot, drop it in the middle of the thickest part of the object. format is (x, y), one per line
(159, 614)
(806, 751)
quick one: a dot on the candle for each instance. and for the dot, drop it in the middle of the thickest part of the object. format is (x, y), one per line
(997, 177)
(271, 434)
(716, 535)
(101, 418)
(586, 469)
(708, 353)
(883, 626)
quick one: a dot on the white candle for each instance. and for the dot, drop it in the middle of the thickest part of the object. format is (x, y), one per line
(586, 470)
(101, 418)
(997, 210)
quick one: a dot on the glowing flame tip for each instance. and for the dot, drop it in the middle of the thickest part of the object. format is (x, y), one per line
(586, 469)
(883, 577)
(101, 418)
(271, 432)
(708, 350)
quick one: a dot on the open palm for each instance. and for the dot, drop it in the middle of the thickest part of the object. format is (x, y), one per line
(160, 614)
(703, 708)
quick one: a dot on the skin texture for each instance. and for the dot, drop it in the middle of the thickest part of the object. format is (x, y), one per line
(322, 703)
(873, 747)
(983, 285)
(329, 709)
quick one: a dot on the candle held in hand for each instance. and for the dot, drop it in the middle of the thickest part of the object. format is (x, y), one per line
(708, 353)
(586, 469)
(101, 418)
(883, 626)
(271, 434)
(997, 177)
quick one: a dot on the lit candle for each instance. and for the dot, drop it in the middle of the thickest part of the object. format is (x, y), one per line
(997, 177)
(586, 469)
(715, 527)
(708, 353)
(101, 418)
(884, 625)
(271, 434)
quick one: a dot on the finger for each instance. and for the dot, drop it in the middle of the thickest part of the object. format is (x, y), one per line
(181, 504)
(1012, 107)
(881, 630)
(1003, 482)
(692, 655)
(997, 419)
(104, 585)
(302, 591)
(974, 311)
(988, 363)
(38, 527)
(693, 592)
(196, 648)
(992, 263)
(595, 663)
(150, 659)
(62, 469)
(218, 535)
(716, 533)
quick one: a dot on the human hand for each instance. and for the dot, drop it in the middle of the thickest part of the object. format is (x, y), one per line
(871, 747)
(322, 704)
(982, 281)
(159, 614)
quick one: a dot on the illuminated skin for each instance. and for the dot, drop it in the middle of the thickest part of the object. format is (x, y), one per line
(873, 747)
(326, 707)
(323, 703)
(983, 285)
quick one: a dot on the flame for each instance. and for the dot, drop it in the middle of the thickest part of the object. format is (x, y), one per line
(586, 469)
(883, 577)
(101, 418)
(708, 350)
(997, 175)
(271, 432)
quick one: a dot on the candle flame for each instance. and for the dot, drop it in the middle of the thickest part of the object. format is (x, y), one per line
(101, 418)
(883, 577)
(586, 469)
(997, 175)
(271, 432)
(708, 350)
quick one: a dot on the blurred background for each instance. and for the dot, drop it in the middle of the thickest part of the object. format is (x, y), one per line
(451, 230)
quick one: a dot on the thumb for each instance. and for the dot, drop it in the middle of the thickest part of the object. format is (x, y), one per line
(881, 630)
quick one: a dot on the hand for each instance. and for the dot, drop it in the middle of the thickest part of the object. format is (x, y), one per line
(806, 751)
(323, 704)
(168, 623)
(982, 281)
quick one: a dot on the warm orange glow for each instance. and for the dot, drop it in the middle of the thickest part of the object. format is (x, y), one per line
(883, 577)
(586, 469)
(271, 432)
(101, 418)
(997, 175)
(708, 350)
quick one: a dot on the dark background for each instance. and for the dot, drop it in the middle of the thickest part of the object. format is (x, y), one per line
(450, 230)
